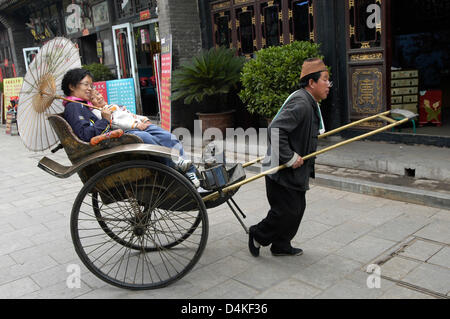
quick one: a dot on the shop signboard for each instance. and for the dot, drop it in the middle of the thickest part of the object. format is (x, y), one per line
(11, 87)
(166, 75)
(156, 67)
(121, 92)
(99, 49)
(144, 15)
(101, 88)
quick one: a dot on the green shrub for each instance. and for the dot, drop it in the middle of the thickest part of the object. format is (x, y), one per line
(273, 74)
(209, 77)
(99, 71)
(1, 87)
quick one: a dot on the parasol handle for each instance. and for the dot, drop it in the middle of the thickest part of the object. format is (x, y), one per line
(68, 100)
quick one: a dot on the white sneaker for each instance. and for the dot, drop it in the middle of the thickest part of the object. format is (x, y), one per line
(202, 190)
(183, 164)
(193, 178)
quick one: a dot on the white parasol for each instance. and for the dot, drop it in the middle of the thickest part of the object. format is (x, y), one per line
(41, 92)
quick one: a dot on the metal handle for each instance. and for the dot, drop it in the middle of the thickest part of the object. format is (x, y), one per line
(326, 149)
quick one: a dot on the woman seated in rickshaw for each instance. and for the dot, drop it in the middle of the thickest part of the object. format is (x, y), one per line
(77, 86)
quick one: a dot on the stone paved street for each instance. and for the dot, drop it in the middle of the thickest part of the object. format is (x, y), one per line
(341, 234)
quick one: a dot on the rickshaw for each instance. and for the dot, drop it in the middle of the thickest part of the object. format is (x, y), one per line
(137, 223)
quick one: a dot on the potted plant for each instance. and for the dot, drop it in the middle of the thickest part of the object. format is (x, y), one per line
(208, 79)
(274, 73)
(99, 71)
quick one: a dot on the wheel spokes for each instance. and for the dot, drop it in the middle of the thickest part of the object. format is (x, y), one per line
(143, 232)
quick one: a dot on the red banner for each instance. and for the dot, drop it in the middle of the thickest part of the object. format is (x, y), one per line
(157, 72)
(166, 75)
(144, 15)
(101, 87)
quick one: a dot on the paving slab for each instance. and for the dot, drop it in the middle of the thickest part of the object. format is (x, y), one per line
(431, 277)
(290, 289)
(399, 292)
(421, 250)
(365, 249)
(397, 267)
(441, 258)
(400, 227)
(347, 232)
(327, 271)
(18, 288)
(265, 275)
(348, 289)
(230, 289)
(438, 230)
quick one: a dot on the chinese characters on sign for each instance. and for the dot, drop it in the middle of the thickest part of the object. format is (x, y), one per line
(367, 94)
(121, 92)
(366, 89)
(11, 87)
(166, 74)
(101, 88)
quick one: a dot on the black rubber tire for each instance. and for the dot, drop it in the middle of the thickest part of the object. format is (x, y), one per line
(143, 210)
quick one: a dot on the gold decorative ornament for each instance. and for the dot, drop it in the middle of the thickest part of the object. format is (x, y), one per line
(365, 45)
(367, 91)
(367, 56)
(221, 5)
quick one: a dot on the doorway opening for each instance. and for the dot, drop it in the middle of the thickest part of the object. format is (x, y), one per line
(147, 44)
(420, 64)
(88, 49)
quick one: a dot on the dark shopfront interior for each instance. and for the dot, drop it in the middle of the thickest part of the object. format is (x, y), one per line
(420, 40)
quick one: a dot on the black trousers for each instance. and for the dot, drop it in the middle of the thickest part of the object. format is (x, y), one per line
(283, 219)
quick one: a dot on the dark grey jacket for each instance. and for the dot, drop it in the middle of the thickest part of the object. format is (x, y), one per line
(296, 128)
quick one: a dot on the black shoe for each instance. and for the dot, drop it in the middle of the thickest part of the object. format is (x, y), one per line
(251, 245)
(287, 252)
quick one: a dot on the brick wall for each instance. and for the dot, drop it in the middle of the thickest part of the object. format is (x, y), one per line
(181, 19)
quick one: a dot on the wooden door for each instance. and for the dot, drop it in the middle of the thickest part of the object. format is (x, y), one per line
(366, 58)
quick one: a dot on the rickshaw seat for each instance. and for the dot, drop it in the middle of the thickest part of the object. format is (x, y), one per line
(77, 149)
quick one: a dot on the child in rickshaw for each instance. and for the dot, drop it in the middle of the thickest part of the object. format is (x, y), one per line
(88, 123)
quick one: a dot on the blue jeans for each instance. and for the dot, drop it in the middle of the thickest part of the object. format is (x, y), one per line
(153, 134)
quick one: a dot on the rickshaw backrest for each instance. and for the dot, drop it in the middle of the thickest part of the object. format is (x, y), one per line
(77, 149)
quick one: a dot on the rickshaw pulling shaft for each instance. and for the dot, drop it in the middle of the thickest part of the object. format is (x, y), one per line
(383, 116)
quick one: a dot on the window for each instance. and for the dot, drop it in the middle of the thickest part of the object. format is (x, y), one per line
(222, 29)
(271, 23)
(365, 23)
(245, 30)
(249, 25)
(301, 22)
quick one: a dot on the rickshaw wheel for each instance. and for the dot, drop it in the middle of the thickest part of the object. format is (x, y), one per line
(110, 232)
(142, 210)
